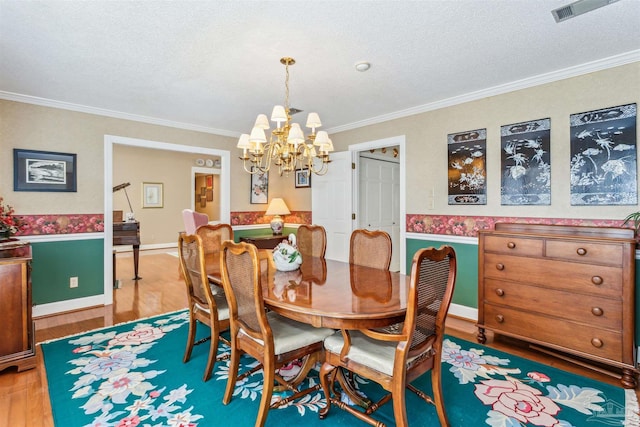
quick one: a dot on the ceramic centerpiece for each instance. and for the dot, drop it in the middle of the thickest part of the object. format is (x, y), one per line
(286, 256)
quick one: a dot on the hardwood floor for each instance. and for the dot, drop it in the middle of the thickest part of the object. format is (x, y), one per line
(24, 397)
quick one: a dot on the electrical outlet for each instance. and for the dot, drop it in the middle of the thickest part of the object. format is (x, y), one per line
(73, 282)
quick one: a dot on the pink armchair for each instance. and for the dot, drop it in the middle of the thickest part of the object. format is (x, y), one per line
(193, 220)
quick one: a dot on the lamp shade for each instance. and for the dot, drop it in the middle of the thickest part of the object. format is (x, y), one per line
(257, 135)
(322, 138)
(295, 135)
(278, 114)
(313, 121)
(243, 142)
(262, 122)
(277, 207)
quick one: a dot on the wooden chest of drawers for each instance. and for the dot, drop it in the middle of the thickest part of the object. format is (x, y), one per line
(17, 344)
(570, 289)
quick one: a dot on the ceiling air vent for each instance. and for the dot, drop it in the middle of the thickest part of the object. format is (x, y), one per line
(578, 8)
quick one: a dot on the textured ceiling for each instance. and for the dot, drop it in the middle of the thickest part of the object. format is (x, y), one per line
(214, 65)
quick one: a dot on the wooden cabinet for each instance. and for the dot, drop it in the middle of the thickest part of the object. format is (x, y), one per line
(264, 242)
(17, 347)
(564, 288)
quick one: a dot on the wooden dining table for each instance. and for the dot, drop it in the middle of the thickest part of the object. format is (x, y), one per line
(331, 294)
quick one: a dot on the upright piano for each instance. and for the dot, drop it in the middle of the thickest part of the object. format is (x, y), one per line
(127, 233)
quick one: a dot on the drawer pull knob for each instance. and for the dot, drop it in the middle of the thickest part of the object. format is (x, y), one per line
(499, 318)
(596, 342)
(500, 267)
(597, 311)
(499, 292)
(581, 251)
(596, 280)
(511, 245)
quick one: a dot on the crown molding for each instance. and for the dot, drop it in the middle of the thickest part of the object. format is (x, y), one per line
(589, 67)
(44, 102)
(578, 70)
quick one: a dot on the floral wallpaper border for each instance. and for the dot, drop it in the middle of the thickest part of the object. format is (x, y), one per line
(468, 226)
(457, 225)
(34, 225)
(252, 218)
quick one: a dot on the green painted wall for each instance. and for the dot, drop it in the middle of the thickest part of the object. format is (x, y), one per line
(466, 292)
(266, 231)
(55, 262)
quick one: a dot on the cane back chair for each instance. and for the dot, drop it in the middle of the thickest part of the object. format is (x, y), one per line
(312, 240)
(212, 236)
(271, 339)
(394, 358)
(204, 306)
(370, 249)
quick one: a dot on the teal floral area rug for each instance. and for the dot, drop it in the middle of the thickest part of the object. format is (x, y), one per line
(132, 375)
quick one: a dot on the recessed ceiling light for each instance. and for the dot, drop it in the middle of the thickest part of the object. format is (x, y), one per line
(363, 66)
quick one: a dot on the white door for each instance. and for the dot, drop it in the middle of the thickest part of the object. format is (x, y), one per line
(379, 201)
(331, 205)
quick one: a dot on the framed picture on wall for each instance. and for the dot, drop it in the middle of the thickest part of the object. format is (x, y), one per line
(210, 181)
(152, 195)
(467, 176)
(303, 178)
(259, 187)
(526, 163)
(604, 157)
(43, 171)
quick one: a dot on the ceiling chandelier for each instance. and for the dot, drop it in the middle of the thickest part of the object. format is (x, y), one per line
(287, 146)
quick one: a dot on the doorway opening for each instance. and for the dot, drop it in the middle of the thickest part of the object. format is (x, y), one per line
(109, 142)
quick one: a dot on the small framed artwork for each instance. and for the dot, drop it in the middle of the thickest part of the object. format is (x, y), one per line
(210, 181)
(209, 196)
(259, 187)
(152, 195)
(44, 171)
(303, 178)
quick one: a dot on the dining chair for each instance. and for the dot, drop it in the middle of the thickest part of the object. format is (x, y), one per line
(212, 236)
(311, 240)
(273, 340)
(192, 220)
(396, 356)
(370, 248)
(205, 306)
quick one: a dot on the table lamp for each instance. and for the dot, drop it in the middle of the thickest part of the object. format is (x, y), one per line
(276, 208)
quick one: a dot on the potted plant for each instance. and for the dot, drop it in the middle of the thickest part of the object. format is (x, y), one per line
(634, 218)
(9, 224)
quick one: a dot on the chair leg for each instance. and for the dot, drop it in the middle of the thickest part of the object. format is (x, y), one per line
(213, 353)
(190, 336)
(436, 381)
(267, 392)
(399, 405)
(233, 372)
(325, 370)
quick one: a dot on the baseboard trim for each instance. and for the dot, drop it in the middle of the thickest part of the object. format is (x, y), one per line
(57, 307)
(464, 312)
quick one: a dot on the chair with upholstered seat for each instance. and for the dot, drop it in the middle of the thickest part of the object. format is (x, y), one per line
(192, 220)
(271, 339)
(204, 306)
(311, 240)
(395, 357)
(370, 248)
